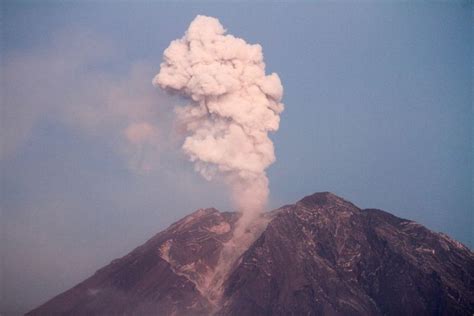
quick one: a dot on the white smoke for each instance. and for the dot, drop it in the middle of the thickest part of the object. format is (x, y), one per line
(233, 107)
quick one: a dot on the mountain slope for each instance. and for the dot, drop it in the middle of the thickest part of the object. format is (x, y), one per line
(320, 256)
(325, 256)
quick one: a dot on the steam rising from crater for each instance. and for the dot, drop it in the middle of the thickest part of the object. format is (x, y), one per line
(233, 105)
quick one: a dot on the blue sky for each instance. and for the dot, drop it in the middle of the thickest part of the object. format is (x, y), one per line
(378, 110)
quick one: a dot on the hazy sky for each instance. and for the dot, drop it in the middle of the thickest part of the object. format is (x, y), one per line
(378, 110)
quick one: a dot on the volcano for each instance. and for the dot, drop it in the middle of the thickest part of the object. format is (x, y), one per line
(319, 256)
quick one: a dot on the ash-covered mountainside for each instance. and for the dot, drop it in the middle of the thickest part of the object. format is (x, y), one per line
(320, 256)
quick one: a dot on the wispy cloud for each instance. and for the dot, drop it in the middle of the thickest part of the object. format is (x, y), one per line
(75, 79)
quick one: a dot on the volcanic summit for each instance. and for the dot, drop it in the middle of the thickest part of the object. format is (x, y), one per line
(320, 256)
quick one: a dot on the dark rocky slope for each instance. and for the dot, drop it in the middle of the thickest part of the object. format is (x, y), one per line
(320, 256)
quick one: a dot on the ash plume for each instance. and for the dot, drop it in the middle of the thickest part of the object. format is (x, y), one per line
(233, 105)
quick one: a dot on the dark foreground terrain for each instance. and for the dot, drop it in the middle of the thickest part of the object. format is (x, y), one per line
(320, 256)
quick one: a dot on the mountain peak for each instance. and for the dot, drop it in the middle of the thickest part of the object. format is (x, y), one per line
(324, 199)
(202, 212)
(322, 255)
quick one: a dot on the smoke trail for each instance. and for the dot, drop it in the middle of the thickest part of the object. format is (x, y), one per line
(233, 107)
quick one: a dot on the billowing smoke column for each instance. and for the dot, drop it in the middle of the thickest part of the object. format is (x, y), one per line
(233, 107)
